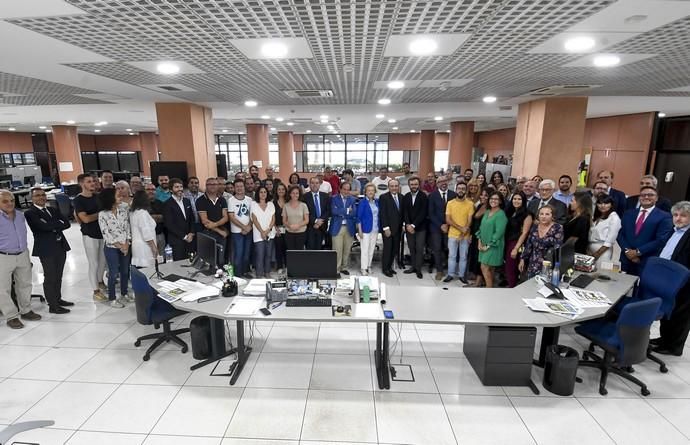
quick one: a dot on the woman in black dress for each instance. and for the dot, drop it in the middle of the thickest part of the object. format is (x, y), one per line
(473, 254)
(280, 248)
(577, 226)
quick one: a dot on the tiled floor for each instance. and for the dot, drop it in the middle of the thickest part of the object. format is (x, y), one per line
(304, 384)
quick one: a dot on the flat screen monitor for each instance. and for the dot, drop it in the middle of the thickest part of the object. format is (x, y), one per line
(207, 252)
(6, 178)
(30, 181)
(312, 264)
(566, 256)
(5, 185)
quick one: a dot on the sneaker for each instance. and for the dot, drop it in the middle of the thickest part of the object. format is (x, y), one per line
(448, 279)
(98, 295)
(117, 304)
(364, 272)
(463, 281)
(127, 298)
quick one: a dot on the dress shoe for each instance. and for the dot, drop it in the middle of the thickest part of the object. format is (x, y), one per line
(419, 275)
(409, 271)
(15, 323)
(439, 276)
(463, 281)
(64, 303)
(388, 273)
(664, 351)
(448, 279)
(344, 272)
(655, 341)
(393, 272)
(31, 316)
(58, 310)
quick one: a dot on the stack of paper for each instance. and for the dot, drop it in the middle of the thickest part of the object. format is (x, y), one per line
(557, 307)
(184, 290)
(245, 305)
(586, 298)
(256, 287)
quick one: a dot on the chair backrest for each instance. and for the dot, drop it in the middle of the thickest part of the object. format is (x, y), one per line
(143, 295)
(663, 279)
(363, 183)
(632, 329)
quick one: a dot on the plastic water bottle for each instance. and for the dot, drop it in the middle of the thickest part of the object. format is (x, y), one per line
(168, 253)
(546, 271)
(366, 294)
(556, 274)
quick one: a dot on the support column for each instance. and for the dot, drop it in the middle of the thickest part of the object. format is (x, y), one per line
(286, 150)
(186, 134)
(257, 146)
(549, 137)
(427, 148)
(149, 150)
(67, 152)
(460, 144)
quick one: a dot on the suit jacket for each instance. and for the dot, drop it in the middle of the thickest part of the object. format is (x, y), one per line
(618, 201)
(47, 230)
(662, 203)
(655, 231)
(681, 254)
(389, 214)
(561, 209)
(178, 225)
(325, 205)
(416, 214)
(437, 209)
(339, 213)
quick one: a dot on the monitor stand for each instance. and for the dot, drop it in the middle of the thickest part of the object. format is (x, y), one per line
(203, 268)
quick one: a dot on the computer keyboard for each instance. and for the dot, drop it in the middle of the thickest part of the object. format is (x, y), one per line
(582, 281)
(308, 302)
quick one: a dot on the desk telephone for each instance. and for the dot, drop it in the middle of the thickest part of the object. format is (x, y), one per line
(556, 293)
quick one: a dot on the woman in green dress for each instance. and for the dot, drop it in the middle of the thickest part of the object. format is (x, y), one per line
(491, 237)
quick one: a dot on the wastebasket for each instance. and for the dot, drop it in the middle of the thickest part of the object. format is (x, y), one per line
(560, 370)
(200, 332)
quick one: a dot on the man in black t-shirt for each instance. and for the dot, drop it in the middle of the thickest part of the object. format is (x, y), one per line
(213, 214)
(86, 213)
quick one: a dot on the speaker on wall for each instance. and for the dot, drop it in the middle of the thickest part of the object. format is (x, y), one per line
(222, 166)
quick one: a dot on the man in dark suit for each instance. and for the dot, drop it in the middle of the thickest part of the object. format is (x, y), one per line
(643, 232)
(438, 229)
(319, 205)
(633, 202)
(546, 189)
(617, 195)
(391, 219)
(674, 331)
(51, 247)
(178, 217)
(415, 209)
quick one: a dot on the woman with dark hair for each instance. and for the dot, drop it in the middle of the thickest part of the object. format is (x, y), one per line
(546, 234)
(538, 179)
(604, 230)
(491, 237)
(270, 185)
(113, 219)
(144, 249)
(480, 207)
(279, 201)
(577, 226)
(294, 179)
(295, 220)
(263, 216)
(481, 180)
(497, 178)
(519, 223)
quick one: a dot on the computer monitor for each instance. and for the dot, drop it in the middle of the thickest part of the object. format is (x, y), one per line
(6, 178)
(312, 264)
(566, 256)
(30, 181)
(207, 254)
(5, 185)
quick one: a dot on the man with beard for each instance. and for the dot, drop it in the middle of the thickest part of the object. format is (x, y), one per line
(459, 219)
(438, 228)
(163, 189)
(179, 220)
(415, 210)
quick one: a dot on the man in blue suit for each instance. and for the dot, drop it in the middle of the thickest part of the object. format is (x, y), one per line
(618, 196)
(643, 233)
(438, 229)
(342, 227)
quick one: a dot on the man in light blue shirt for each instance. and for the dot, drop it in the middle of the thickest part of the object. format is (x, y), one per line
(564, 194)
(681, 224)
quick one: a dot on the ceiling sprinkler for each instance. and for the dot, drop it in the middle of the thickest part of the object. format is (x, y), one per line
(444, 86)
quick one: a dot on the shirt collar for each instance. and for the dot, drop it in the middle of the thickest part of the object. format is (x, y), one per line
(682, 229)
(177, 199)
(39, 208)
(649, 210)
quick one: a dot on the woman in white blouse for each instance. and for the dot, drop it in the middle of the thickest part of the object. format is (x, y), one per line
(113, 220)
(144, 249)
(263, 215)
(604, 230)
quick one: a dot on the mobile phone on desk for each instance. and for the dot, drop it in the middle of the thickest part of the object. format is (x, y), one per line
(265, 311)
(388, 314)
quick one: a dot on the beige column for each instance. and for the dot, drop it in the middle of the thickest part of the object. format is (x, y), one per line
(427, 148)
(149, 150)
(286, 148)
(549, 137)
(186, 134)
(460, 144)
(257, 146)
(67, 152)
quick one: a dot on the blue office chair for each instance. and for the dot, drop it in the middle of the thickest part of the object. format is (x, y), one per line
(155, 311)
(363, 183)
(625, 341)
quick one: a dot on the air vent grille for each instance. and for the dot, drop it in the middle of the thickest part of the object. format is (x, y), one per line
(308, 93)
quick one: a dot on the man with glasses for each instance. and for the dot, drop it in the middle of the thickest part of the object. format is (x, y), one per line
(633, 202)
(50, 246)
(546, 188)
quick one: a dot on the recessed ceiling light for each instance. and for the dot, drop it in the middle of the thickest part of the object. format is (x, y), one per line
(606, 60)
(12, 129)
(167, 68)
(391, 121)
(423, 46)
(128, 129)
(384, 101)
(330, 127)
(396, 85)
(380, 116)
(42, 127)
(49, 130)
(308, 131)
(265, 116)
(274, 50)
(438, 118)
(290, 124)
(395, 128)
(131, 134)
(489, 99)
(250, 103)
(324, 121)
(224, 131)
(579, 44)
(96, 131)
(411, 131)
(273, 128)
(323, 117)
(661, 114)
(101, 123)
(71, 122)
(280, 119)
(240, 132)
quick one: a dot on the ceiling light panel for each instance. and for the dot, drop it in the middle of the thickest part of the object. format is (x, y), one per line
(589, 60)
(602, 40)
(438, 45)
(635, 16)
(278, 48)
(154, 65)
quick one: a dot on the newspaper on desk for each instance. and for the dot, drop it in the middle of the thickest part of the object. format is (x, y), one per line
(184, 290)
(586, 298)
(562, 308)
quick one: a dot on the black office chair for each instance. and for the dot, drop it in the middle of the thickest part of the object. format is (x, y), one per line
(155, 311)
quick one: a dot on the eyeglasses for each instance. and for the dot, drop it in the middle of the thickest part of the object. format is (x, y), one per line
(647, 195)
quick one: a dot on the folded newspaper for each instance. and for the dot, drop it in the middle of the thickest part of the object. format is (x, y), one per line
(184, 290)
(557, 307)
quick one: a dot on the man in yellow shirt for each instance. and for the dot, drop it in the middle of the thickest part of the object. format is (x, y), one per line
(459, 219)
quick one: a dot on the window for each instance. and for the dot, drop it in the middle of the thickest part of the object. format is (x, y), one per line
(116, 161)
(360, 152)
(440, 160)
(273, 153)
(234, 147)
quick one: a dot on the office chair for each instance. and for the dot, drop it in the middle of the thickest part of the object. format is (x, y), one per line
(362, 183)
(155, 311)
(624, 341)
(14, 429)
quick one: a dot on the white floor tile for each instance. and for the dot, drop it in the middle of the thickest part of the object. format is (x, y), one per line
(132, 409)
(424, 380)
(48, 333)
(181, 440)
(43, 436)
(203, 377)
(340, 416)
(93, 437)
(441, 343)
(676, 411)
(456, 376)
(164, 368)
(126, 315)
(664, 386)
(83, 311)
(94, 335)
(474, 420)
(236, 441)
(56, 364)
(70, 404)
(408, 344)
(275, 370)
(400, 417)
(269, 414)
(16, 357)
(17, 396)
(199, 411)
(342, 372)
(343, 341)
(301, 339)
(108, 366)
(8, 335)
(590, 385)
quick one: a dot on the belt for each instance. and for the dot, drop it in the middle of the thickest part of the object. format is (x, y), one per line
(11, 253)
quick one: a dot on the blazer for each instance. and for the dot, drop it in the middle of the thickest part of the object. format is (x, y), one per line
(416, 214)
(662, 203)
(389, 215)
(178, 225)
(681, 254)
(655, 231)
(339, 214)
(561, 209)
(47, 230)
(366, 219)
(618, 201)
(325, 205)
(437, 209)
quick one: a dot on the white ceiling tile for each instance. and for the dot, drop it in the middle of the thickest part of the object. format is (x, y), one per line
(634, 16)
(588, 60)
(398, 45)
(297, 47)
(603, 40)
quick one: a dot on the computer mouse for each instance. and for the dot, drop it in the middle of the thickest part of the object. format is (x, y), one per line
(604, 278)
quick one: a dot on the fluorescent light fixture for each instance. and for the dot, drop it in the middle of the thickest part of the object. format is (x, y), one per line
(224, 131)
(131, 134)
(167, 68)
(96, 131)
(42, 127)
(290, 124)
(280, 119)
(128, 129)
(274, 50)
(579, 44)
(489, 99)
(70, 122)
(606, 60)
(324, 121)
(250, 103)
(11, 129)
(265, 116)
(423, 46)
(330, 127)
(101, 123)
(396, 84)
(395, 128)
(438, 118)
(411, 131)
(380, 116)
(660, 115)
(240, 132)
(308, 131)
(273, 128)
(49, 130)
(323, 117)
(384, 101)
(391, 121)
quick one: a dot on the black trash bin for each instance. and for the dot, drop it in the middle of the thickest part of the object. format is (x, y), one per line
(200, 331)
(560, 370)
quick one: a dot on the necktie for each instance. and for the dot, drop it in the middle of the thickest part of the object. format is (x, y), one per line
(395, 198)
(542, 204)
(444, 197)
(45, 209)
(317, 205)
(640, 222)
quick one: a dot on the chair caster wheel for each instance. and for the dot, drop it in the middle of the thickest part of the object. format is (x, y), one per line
(137, 343)
(184, 349)
(663, 369)
(645, 392)
(147, 357)
(603, 391)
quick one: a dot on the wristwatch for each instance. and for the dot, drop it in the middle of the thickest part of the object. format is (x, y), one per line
(637, 252)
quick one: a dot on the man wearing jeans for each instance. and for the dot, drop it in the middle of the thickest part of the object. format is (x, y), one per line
(459, 219)
(239, 207)
(86, 210)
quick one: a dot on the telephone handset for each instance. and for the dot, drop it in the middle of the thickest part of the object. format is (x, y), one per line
(556, 293)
